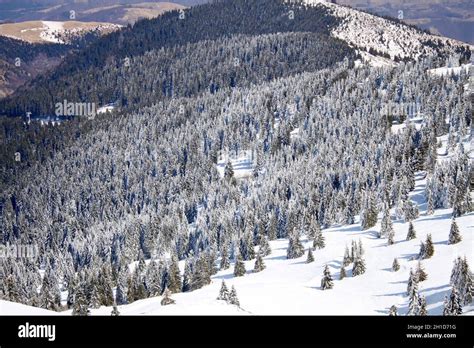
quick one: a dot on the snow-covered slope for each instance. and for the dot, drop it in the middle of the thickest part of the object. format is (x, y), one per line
(53, 31)
(370, 32)
(293, 286)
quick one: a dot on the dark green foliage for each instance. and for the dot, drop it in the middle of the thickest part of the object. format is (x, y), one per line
(326, 281)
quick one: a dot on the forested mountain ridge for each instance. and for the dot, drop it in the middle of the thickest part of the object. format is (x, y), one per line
(203, 22)
(289, 141)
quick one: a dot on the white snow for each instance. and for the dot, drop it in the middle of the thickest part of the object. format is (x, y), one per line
(12, 308)
(242, 164)
(367, 31)
(443, 71)
(106, 108)
(51, 30)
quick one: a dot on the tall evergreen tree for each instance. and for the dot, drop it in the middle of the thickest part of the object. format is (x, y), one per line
(454, 235)
(239, 268)
(326, 281)
(224, 292)
(411, 232)
(452, 304)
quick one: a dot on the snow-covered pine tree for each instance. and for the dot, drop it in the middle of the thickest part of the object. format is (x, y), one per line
(318, 242)
(393, 311)
(188, 274)
(429, 247)
(422, 305)
(50, 296)
(224, 292)
(454, 235)
(295, 248)
(386, 228)
(259, 264)
(81, 305)
(224, 264)
(452, 304)
(411, 231)
(369, 212)
(167, 300)
(153, 279)
(342, 273)
(121, 291)
(420, 272)
(412, 280)
(229, 171)
(265, 248)
(360, 249)
(201, 276)
(174, 283)
(354, 250)
(346, 261)
(414, 300)
(358, 267)
(326, 281)
(239, 268)
(422, 253)
(391, 237)
(395, 265)
(233, 299)
(310, 257)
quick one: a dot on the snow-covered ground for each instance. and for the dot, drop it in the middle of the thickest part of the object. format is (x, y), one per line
(51, 30)
(450, 71)
(241, 164)
(364, 30)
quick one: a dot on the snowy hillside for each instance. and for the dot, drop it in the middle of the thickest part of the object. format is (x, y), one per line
(293, 287)
(369, 32)
(53, 31)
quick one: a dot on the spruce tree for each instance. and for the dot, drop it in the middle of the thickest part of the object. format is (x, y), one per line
(265, 248)
(233, 299)
(174, 276)
(81, 306)
(411, 232)
(259, 264)
(420, 272)
(342, 273)
(452, 304)
(318, 242)
(393, 312)
(326, 281)
(422, 311)
(167, 300)
(224, 292)
(414, 300)
(395, 265)
(310, 257)
(295, 248)
(229, 171)
(454, 235)
(225, 264)
(239, 268)
(412, 280)
(359, 266)
(422, 253)
(429, 247)
(346, 261)
(121, 291)
(386, 228)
